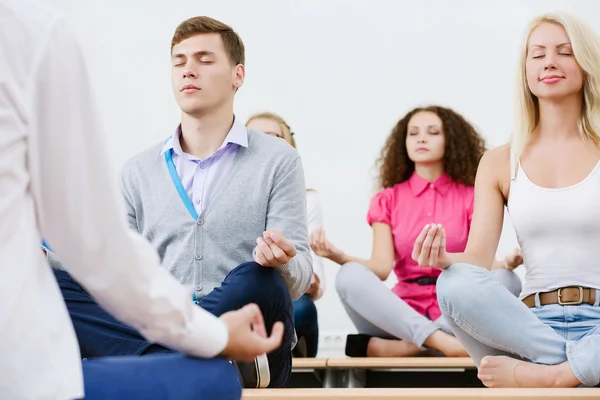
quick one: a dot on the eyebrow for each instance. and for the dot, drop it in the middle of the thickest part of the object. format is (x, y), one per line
(197, 54)
(543, 47)
(428, 126)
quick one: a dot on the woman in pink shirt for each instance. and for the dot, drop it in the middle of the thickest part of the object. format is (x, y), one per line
(427, 172)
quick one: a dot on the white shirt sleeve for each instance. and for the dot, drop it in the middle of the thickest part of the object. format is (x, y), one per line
(82, 216)
(315, 221)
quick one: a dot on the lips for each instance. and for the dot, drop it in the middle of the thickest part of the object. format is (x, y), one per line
(552, 78)
(189, 88)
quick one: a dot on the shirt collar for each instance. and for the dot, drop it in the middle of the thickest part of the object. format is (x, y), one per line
(418, 184)
(236, 135)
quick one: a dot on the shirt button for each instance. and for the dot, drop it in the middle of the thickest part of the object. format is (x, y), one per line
(431, 185)
(429, 214)
(200, 222)
(198, 287)
(202, 165)
(198, 256)
(197, 201)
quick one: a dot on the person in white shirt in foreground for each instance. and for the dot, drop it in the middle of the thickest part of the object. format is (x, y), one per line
(55, 183)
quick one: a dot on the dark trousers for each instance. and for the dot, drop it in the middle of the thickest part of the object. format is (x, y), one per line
(306, 323)
(101, 335)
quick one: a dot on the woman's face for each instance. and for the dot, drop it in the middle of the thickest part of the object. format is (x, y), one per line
(266, 125)
(425, 142)
(550, 66)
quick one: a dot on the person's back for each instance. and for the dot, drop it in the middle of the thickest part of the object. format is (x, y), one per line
(31, 303)
(55, 182)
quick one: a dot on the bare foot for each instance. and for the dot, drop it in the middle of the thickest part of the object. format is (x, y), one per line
(391, 348)
(502, 371)
(447, 344)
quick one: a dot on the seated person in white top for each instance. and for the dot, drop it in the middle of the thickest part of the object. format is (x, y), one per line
(305, 313)
(549, 177)
(55, 181)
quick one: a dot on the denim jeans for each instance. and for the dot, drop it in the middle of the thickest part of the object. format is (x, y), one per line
(377, 311)
(489, 320)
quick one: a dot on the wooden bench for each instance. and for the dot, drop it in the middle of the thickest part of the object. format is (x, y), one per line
(355, 372)
(403, 363)
(304, 364)
(421, 394)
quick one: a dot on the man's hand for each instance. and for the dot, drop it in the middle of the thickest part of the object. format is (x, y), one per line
(248, 335)
(273, 249)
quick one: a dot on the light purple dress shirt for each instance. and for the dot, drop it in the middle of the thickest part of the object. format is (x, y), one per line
(199, 177)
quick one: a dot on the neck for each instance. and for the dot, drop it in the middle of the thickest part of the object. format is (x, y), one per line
(201, 136)
(558, 120)
(429, 171)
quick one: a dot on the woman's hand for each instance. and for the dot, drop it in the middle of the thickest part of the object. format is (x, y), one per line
(324, 248)
(430, 247)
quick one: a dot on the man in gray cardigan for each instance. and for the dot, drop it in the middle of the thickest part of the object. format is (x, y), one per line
(223, 205)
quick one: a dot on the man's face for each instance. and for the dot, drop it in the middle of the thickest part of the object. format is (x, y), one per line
(203, 76)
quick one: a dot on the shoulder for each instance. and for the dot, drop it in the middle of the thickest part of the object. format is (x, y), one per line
(35, 16)
(462, 189)
(494, 167)
(385, 199)
(142, 161)
(35, 26)
(271, 147)
(390, 194)
(497, 157)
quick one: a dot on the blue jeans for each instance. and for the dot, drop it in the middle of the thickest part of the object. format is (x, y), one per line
(489, 320)
(101, 335)
(160, 376)
(306, 323)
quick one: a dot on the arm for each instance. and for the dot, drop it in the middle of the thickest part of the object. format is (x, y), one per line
(128, 201)
(82, 216)
(486, 226)
(287, 213)
(382, 255)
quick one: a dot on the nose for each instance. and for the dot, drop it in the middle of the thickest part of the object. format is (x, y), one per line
(421, 138)
(189, 74)
(550, 63)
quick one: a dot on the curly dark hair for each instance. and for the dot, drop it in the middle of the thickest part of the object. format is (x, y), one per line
(464, 149)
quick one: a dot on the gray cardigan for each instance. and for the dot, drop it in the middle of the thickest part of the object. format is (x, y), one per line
(264, 189)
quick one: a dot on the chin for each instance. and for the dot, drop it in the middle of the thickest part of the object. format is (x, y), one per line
(192, 109)
(555, 93)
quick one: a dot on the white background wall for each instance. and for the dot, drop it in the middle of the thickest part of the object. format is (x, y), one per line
(341, 72)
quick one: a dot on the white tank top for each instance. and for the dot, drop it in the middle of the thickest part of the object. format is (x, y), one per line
(558, 231)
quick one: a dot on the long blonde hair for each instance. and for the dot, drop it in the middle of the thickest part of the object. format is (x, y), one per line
(288, 136)
(586, 49)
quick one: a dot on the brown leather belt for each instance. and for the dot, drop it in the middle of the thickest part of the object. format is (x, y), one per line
(567, 296)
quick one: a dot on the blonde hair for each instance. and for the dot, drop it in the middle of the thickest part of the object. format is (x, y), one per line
(586, 50)
(285, 128)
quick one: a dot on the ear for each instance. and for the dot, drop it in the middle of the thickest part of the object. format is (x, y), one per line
(239, 73)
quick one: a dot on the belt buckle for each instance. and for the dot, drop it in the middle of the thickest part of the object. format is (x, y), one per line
(570, 303)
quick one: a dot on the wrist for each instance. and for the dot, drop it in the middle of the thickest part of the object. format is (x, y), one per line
(340, 259)
(446, 263)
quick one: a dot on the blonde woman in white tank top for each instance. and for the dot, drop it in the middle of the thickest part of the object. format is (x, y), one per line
(549, 177)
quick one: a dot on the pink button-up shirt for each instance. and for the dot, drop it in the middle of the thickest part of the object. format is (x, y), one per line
(407, 207)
